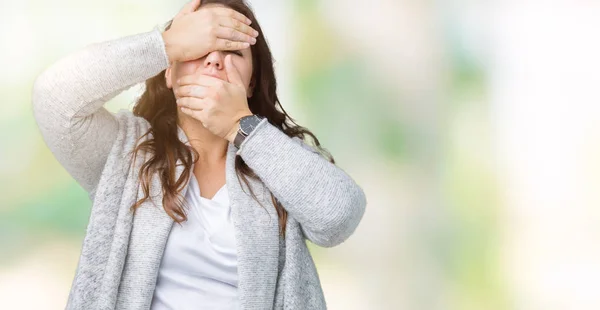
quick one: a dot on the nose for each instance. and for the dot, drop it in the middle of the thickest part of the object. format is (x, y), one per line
(214, 59)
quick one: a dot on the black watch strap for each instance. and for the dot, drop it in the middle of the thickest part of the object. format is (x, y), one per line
(239, 138)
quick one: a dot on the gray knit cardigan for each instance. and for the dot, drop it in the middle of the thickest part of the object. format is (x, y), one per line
(121, 253)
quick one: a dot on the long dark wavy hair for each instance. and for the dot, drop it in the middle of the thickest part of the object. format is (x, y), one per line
(157, 105)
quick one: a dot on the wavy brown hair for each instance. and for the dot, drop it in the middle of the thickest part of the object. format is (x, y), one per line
(157, 105)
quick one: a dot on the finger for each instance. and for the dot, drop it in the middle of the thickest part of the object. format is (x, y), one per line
(234, 35)
(201, 80)
(233, 75)
(189, 7)
(228, 45)
(192, 90)
(191, 103)
(232, 14)
(237, 25)
(193, 113)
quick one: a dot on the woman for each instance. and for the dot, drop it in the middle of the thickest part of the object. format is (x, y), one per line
(208, 147)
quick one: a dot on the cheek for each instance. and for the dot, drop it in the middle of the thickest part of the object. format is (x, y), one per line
(185, 68)
(245, 69)
(180, 70)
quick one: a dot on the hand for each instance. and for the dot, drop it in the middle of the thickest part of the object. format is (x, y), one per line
(193, 34)
(217, 104)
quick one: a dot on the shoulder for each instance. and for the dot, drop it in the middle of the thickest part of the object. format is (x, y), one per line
(131, 128)
(130, 125)
(130, 121)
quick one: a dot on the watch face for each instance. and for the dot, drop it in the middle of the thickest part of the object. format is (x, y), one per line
(248, 123)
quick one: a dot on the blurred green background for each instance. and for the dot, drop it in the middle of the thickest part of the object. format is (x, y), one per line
(472, 127)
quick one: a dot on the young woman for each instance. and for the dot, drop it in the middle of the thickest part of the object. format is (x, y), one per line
(209, 147)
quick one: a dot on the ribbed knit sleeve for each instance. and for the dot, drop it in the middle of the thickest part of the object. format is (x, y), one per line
(321, 196)
(69, 98)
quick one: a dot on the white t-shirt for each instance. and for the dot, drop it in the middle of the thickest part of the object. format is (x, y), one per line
(199, 266)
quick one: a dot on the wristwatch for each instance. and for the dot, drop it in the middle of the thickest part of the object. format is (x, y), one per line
(247, 125)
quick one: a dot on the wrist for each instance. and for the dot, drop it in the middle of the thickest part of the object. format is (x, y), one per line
(233, 132)
(236, 126)
(169, 48)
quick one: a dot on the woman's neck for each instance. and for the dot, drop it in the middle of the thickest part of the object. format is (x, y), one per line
(210, 147)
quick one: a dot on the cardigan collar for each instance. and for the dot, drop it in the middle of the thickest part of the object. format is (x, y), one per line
(256, 231)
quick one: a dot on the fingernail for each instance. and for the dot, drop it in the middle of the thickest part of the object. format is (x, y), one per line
(253, 40)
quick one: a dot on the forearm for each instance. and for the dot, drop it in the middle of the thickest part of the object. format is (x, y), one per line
(69, 97)
(319, 195)
(82, 82)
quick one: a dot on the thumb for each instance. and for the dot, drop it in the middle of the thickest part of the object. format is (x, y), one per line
(233, 75)
(189, 7)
